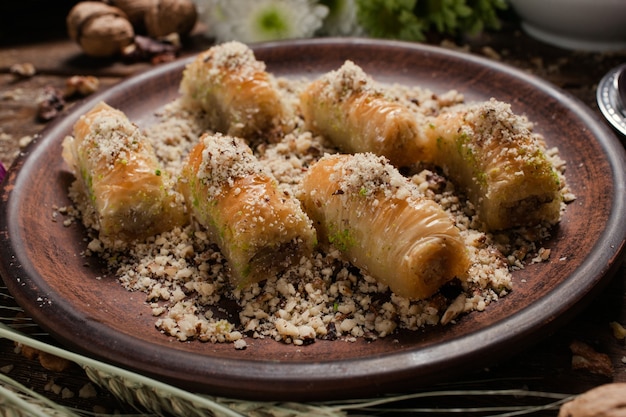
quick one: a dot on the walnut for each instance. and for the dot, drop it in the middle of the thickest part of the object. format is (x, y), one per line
(28, 352)
(618, 330)
(53, 363)
(584, 357)
(23, 70)
(81, 85)
(158, 18)
(50, 104)
(170, 16)
(136, 11)
(607, 400)
(47, 360)
(101, 30)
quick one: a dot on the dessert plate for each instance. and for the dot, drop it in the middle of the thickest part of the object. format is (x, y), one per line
(42, 266)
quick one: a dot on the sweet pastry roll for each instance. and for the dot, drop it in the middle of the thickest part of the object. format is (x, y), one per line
(379, 221)
(117, 169)
(238, 95)
(495, 158)
(345, 107)
(260, 229)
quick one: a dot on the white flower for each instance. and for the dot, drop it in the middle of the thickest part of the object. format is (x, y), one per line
(251, 21)
(342, 19)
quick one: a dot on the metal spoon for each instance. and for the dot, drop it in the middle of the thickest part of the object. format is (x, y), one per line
(620, 86)
(611, 97)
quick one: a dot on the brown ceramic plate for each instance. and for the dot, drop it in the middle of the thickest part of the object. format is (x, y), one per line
(42, 266)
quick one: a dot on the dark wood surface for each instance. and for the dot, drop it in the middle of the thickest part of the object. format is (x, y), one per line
(545, 366)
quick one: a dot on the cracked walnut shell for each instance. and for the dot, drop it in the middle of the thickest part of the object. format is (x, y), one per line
(170, 16)
(159, 18)
(101, 30)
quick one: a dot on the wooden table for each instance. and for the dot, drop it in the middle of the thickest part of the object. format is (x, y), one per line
(545, 367)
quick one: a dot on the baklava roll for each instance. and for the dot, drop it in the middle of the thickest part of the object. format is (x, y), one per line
(346, 108)
(232, 87)
(379, 221)
(118, 169)
(259, 229)
(495, 158)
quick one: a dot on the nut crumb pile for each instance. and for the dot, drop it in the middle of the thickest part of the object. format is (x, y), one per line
(186, 279)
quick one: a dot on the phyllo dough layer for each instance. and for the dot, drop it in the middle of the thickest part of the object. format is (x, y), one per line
(238, 95)
(365, 208)
(260, 229)
(345, 107)
(121, 176)
(499, 163)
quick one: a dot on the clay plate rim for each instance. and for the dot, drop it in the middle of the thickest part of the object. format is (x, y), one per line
(87, 311)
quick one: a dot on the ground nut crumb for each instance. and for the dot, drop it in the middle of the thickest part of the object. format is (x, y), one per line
(619, 332)
(87, 391)
(66, 393)
(184, 277)
(586, 358)
(240, 344)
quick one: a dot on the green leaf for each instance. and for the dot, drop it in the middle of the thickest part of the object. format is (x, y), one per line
(411, 19)
(391, 19)
(484, 15)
